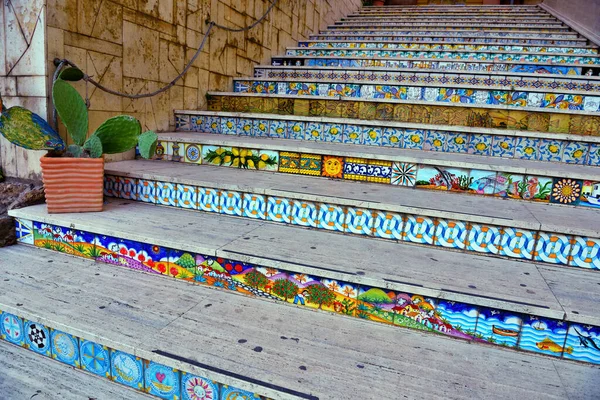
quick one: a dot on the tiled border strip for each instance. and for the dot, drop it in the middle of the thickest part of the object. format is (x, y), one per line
(557, 338)
(428, 92)
(432, 38)
(456, 33)
(413, 111)
(467, 236)
(419, 45)
(118, 366)
(551, 27)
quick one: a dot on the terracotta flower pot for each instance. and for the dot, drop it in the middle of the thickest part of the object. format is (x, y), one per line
(378, 2)
(73, 184)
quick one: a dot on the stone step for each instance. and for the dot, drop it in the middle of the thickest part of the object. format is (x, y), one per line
(388, 212)
(413, 111)
(460, 140)
(394, 45)
(273, 350)
(530, 27)
(481, 55)
(474, 92)
(454, 33)
(28, 375)
(495, 79)
(452, 288)
(445, 15)
(447, 8)
(470, 19)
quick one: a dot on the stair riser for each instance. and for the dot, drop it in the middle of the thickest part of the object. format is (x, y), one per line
(120, 366)
(431, 79)
(349, 298)
(434, 20)
(430, 38)
(396, 136)
(525, 119)
(449, 93)
(445, 47)
(456, 33)
(549, 28)
(446, 55)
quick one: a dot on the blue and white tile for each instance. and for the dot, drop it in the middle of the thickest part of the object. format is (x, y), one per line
(304, 213)
(546, 336)
(95, 358)
(535, 99)
(208, 200)
(550, 150)
(11, 329)
(414, 139)
(414, 93)
(591, 103)
(229, 125)
(278, 129)
(498, 327)
(211, 125)
(161, 381)
(37, 338)
(431, 93)
(279, 209)
(359, 221)
(575, 153)
(333, 133)
(65, 348)
(331, 217)
(231, 393)
(480, 144)
(197, 123)
(127, 369)
(451, 234)
(517, 243)
(24, 231)
(553, 248)
(314, 131)
(246, 127)
(503, 146)
(353, 134)
(586, 253)
(112, 186)
(146, 191)
(392, 137)
(387, 225)
(457, 142)
(418, 229)
(231, 203)
(260, 128)
(295, 130)
(594, 154)
(166, 193)
(182, 122)
(462, 318)
(372, 135)
(187, 196)
(192, 153)
(527, 148)
(583, 342)
(195, 387)
(404, 174)
(435, 141)
(254, 206)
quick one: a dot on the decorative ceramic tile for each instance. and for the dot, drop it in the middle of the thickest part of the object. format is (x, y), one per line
(11, 329)
(591, 104)
(404, 174)
(196, 123)
(583, 343)
(215, 155)
(482, 182)
(333, 133)
(552, 248)
(590, 194)
(65, 348)
(372, 135)
(246, 126)
(550, 150)
(175, 152)
(254, 206)
(480, 145)
(498, 327)
(527, 148)
(484, 238)
(24, 231)
(230, 393)
(559, 123)
(379, 171)
(594, 156)
(314, 131)
(333, 167)
(331, 217)
(208, 200)
(457, 142)
(417, 312)
(279, 210)
(263, 160)
(586, 252)
(310, 164)
(353, 134)
(392, 137)
(146, 191)
(435, 141)
(166, 193)
(193, 153)
(304, 213)
(387, 225)
(566, 191)
(112, 186)
(161, 381)
(359, 221)
(278, 129)
(440, 178)
(127, 369)
(376, 305)
(451, 234)
(575, 153)
(229, 125)
(295, 130)
(344, 296)
(187, 196)
(132, 254)
(231, 203)
(289, 162)
(211, 125)
(419, 229)
(182, 122)
(517, 243)
(260, 128)
(95, 358)
(458, 319)
(37, 338)
(413, 139)
(545, 336)
(197, 388)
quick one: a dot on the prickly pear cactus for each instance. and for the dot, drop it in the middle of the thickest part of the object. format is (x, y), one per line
(119, 134)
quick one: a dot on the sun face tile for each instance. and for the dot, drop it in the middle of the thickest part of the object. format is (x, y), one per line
(127, 369)
(387, 225)
(11, 329)
(484, 239)
(187, 196)
(161, 381)
(36, 337)
(585, 252)
(333, 167)
(208, 200)
(65, 348)
(546, 336)
(193, 386)
(582, 343)
(304, 213)
(95, 358)
(231, 203)
(553, 248)
(279, 210)
(517, 243)
(498, 327)
(418, 229)
(451, 234)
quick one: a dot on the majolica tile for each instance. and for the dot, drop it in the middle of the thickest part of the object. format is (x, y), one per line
(457, 142)
(414, 139)
(440, 178)
(183, 265)
(229, 125)
(215, 155)
(333, 133)
(585, 252)
(197, 123)
(392, 137)
(127, 369)
(314, 131)
(552, 248)
(517, 243)
(418, 312)
(208, 200)
(95, 358)
(376, 304)
(187, 196)
(527, 148)
(591, 103)
(353, 134)
(11, 329)
(594, 154)
(245, 127)
(289, 162)
(550, 150)
(517, 120)
(182, 122)
(230, 392)
(498, 327)
(112, 186)
(175, 151)
(451, 234)
(359, 221)
(231, 203)
(161, 381)
(310, 164)
(566, 191)
(480, 144)
(387, 225)
(559, 123)
(331, 217)
(419, 229)
(583, 343)
(278, 129)
(279, 209)
(146, 191)
(260, 128)
(131, 254)
(575, 153)
(65, 348)
(24, 231)
(482, 182)
(166, 193)
(192, 153)
(546, 336)
(36, 338)
(194, 387)
(590, 194)
(304, 213)
(333, 167)
(435, 141)
(404, 174)
(254, 206)
(344, 296)
(211, 125)
(372, 135)
(484, 238)
(455, 319)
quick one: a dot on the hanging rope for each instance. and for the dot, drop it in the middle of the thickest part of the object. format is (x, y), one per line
(62, 63)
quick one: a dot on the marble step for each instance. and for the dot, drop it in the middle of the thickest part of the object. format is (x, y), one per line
(423, 19)
(450, 15)
(389, 212)
(529, 300)
(436, 38)
(531, 27)
(261, 346)
(413, 111)
(395, 45)
(455, 33)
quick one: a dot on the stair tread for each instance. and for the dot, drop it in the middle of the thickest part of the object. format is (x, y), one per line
(32, 376)
(140, 316)
(447, 159)
(472, 279)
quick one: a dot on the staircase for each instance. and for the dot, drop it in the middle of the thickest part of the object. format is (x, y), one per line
(465, 262)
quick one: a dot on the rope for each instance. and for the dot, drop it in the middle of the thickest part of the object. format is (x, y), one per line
(61, 63)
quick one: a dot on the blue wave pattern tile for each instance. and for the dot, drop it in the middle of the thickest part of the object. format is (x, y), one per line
(387, 225)
(451, 234)
(583, 343)
(517, 243)
(419, 229)
(546, 336)
(586, 253)
(462, 318)
(498, 327)
(331, 217)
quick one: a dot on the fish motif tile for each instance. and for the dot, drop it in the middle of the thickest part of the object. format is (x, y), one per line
(583, 343)
(546, 336)
(482, 182)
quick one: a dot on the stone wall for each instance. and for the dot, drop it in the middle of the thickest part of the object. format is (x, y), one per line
(583, 15)
(137, 46)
